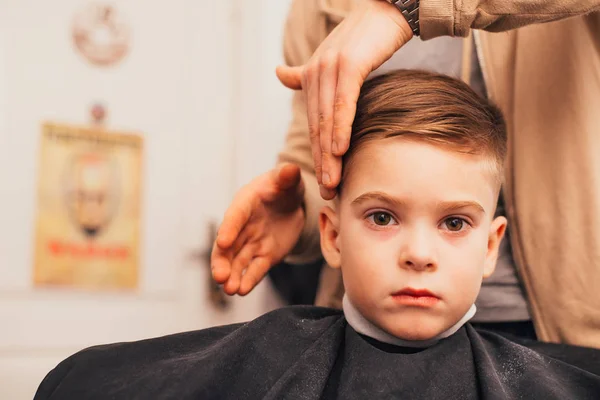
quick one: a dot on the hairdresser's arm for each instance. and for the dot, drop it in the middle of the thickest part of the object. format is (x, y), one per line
(458, 17)
(369, 35)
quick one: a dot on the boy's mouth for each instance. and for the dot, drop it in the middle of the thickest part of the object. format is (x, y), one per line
(416, 297)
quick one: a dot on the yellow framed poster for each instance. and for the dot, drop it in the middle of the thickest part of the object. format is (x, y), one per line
(88, 208)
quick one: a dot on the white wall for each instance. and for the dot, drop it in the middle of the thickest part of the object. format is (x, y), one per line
(262, 109)
(257, 122)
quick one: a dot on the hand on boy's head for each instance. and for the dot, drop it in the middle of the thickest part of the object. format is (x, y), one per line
(332, 78)
(260, 227)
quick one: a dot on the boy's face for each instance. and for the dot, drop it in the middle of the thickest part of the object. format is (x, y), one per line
(414, 234)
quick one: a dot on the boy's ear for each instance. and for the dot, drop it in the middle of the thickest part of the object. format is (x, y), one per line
(497, 230)
(329, 228)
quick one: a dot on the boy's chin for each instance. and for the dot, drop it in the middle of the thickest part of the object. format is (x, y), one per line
(417, 331)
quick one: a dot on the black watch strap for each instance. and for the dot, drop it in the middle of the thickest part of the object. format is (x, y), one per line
(410, 10)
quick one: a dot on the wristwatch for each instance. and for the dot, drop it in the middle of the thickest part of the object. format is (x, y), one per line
(410, 11)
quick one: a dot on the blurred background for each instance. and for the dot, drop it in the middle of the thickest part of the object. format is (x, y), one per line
(125, 129)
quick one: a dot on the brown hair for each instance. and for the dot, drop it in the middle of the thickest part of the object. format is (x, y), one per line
(431, 107)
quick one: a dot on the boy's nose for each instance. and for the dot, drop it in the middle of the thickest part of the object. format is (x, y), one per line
(417, 252)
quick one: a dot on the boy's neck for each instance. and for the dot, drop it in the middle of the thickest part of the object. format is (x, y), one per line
(363, 326)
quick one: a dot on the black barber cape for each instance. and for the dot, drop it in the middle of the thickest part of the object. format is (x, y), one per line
(312, 353)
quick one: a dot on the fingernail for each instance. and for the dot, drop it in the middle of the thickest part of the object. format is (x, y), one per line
(335, 147)
(326, 178)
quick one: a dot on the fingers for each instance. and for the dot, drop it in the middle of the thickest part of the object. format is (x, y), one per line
(257, 269)
(319, 80)
(231, 237)
(334, 165)
(348, 89)
(291, 77)
(326, 193)
(328, 73)
(349, 82)
(220, 264)
(236, 217)
(332, 86)
(310, 84)
(240, 263)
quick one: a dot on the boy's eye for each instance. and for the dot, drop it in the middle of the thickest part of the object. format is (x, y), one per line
(454, 224)
(381, 218)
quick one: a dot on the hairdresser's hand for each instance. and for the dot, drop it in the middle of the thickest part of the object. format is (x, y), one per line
(332, 78)
(261, 226)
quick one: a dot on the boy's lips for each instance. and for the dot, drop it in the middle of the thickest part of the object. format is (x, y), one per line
(416, 297)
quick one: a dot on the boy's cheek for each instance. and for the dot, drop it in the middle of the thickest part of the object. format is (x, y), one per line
(367, 255)
(464, 266)
(471, 244)
(365, 243)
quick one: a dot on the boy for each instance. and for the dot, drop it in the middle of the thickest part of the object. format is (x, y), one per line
(414, 233)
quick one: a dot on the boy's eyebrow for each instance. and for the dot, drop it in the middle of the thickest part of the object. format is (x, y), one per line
(443, 206)
(456, 205)
(379, 196)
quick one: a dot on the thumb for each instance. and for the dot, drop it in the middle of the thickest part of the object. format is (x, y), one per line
(284, 180)
(291, 77)
(288, 176)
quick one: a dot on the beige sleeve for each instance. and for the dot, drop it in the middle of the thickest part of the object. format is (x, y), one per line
(301, 39)
(457, 17)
